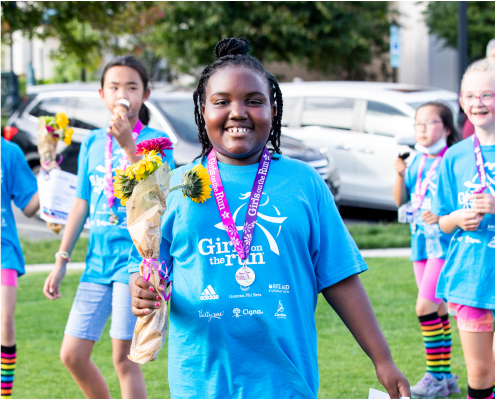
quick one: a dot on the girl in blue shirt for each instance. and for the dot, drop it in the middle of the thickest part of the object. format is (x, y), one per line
(103, 289)
(465, 202)
(434, 133)
(18, 185)
(249, 331)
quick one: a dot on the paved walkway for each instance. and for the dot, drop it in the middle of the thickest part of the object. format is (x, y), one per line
(367, 253)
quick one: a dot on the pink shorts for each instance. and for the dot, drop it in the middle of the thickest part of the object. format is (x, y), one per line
(426, 272)
(473, 319)
(9, 277)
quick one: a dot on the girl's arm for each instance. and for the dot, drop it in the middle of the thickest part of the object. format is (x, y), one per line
(466, 219)
(400, 192)
(73, 228)
(349, 299)
(32, 206)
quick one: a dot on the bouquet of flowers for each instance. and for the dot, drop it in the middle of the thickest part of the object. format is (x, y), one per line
(50, 130)
(143, 187)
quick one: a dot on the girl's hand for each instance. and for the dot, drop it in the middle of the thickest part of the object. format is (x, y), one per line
(54, 279)
(393, 380)
(467, 219)
(430, 218)
(120, 128)
(143, 295)
(485, 203)
(400, 166)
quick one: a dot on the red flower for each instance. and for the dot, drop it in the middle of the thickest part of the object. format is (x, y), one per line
(159, 144)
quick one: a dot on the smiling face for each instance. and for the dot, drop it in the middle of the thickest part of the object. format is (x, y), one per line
(124, 82)
(238, 114)
(435, 128)
(478, 83)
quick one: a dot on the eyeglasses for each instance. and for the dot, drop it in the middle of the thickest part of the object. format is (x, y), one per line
(427, 125)
(485, 98)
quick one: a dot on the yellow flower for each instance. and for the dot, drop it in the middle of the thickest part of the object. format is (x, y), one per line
(197, 182)
(61, 120)
(151, 161)
(68, 135)
(119, 174)
(138, 170)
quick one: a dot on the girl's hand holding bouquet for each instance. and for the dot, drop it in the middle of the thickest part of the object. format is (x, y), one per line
(143, 187)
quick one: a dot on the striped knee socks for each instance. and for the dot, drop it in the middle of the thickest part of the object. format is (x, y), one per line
(8, 367)
(432, 330)
(447, 345)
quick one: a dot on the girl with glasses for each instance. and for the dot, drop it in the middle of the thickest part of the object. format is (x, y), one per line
(434, 132)
(465, 202)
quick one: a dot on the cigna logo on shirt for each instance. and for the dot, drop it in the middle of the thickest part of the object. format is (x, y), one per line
(208, 294)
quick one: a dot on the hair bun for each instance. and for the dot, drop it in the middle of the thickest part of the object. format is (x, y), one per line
(232, 46)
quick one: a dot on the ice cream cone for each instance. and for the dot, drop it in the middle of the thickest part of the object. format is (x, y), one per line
(123, 106)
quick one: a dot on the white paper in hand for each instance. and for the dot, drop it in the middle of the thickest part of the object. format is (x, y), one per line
(57, 193)
(374, 394)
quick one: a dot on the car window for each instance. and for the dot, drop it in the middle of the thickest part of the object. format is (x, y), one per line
(52, 106)
(328, 112)
(179, 112)
(91, 113)
(288, 109)
(386, 120)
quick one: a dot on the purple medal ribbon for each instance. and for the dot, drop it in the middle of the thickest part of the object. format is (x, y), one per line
(421, 189)
(480, 166)
(242, 247)
(108, 163)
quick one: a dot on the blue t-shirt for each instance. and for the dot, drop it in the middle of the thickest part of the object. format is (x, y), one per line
(258, 343)
(109, 240)
(468, 277)
(18, 185)
(418, 239)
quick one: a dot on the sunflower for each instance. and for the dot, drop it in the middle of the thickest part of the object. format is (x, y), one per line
(195, 184)
(151, 161)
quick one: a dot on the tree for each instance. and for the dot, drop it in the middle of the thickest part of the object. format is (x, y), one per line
(83, 28)
(328, 37)
(441, 19)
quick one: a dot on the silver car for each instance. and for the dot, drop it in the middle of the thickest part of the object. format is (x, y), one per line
(364, 125)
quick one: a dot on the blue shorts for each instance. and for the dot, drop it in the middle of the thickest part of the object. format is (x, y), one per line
(92, 307)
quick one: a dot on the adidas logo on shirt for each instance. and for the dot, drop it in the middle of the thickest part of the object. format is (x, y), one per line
(208, 294)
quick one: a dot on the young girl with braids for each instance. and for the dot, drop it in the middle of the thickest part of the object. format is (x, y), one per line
(242, 314)
(103, 289)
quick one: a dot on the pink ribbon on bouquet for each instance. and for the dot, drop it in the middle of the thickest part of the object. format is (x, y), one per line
(148, 264)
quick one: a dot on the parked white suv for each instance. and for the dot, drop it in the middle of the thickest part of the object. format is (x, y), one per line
(364, 125)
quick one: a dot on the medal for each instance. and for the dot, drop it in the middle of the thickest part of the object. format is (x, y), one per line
(244, 276)
(113, 219)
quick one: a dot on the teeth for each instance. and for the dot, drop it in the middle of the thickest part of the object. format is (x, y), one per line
(238, 130)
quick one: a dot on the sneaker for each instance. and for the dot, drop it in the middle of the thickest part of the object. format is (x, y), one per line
(452, 384)
(429, 387)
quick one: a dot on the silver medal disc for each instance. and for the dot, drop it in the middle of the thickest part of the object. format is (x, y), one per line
(245, 276)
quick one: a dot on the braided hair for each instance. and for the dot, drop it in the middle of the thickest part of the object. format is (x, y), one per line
(233, 52)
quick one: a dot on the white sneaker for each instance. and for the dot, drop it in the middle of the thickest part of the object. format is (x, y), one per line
(429, 387)
(452, 384)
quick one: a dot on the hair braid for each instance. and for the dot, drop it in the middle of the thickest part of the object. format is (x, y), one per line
(233, 52)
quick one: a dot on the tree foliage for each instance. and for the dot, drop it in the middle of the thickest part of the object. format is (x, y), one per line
(328, 37)
(441, 19)
(83, 28)
(325, 36)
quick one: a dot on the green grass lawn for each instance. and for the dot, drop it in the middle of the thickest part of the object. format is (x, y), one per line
(43, 251)
(345, 371)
